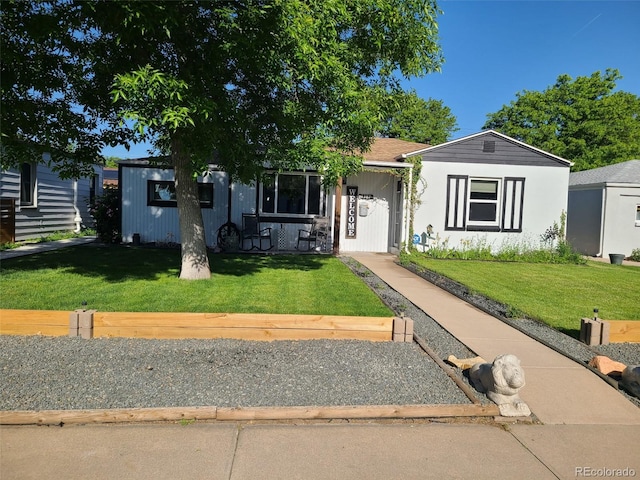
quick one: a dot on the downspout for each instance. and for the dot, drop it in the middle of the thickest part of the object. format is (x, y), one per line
(78, 218)
(603, 216)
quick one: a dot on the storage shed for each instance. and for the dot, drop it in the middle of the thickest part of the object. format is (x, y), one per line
(603, 214)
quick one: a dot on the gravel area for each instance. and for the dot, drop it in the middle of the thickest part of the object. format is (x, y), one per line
(71, 373)
(42, 373)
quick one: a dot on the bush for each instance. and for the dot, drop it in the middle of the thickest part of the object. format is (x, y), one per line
(477, 249)
(105, 210)
(635, 255)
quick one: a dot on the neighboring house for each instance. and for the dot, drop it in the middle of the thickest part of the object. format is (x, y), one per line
(490, 189)
(485, 184)
(36, 202)
(603, 216)
(110, 177)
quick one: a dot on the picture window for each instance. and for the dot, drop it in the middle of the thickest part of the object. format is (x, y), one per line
(162, 193)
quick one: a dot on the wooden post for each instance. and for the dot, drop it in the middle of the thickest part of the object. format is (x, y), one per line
(338, 213)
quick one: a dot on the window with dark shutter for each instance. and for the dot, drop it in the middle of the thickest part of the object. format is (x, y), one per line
(512, 204)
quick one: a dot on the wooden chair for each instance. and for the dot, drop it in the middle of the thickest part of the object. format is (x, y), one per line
(317, 235)
(251, 231)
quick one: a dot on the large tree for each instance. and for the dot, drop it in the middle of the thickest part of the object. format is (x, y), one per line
(249, 82)
(583, 120)
(419, 120)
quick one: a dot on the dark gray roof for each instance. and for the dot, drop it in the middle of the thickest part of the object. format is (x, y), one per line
(624, 172)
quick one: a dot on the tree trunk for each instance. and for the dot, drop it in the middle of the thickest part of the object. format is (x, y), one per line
(195, 261)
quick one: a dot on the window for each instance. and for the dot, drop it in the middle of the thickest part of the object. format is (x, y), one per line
(163, 194)
(483, 202)
(637, 215)
(27, 185)
(93, 187)
(291, 194)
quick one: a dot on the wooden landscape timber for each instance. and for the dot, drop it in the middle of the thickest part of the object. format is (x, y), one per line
(175, 414)
(624, 331)
(34, 322)
(168, 325)
(595, 331)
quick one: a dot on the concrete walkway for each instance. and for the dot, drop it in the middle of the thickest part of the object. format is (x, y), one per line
(588, 430)
(558, 390)
(32, 248)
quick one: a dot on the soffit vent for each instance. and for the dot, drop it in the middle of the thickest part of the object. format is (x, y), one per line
(489, 146)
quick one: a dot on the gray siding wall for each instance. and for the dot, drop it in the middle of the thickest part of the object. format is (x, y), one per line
(584, 220)
(505, 153)
(54, 208)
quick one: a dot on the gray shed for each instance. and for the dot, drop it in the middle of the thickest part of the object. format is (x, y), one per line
(603, 212)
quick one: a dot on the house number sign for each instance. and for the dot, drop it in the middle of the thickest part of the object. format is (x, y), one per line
(352, 208)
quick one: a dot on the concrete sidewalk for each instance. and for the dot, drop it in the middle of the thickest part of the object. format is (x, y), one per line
(588, 430)
(33, 248)
(319, 451)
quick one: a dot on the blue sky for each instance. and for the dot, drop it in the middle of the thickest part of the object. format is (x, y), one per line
(494, 49)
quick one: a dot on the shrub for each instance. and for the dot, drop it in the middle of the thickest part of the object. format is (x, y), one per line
(105, 210)
(635, 255)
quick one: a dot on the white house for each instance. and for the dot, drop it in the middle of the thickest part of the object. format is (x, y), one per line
(485, 184)
(492, 189)
(604, 209)
(367, 212)
(37, 202)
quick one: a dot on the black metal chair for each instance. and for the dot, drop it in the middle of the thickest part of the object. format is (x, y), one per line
(317, 235)
(251, 231)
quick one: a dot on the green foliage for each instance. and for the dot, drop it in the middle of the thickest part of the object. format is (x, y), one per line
(246, 84)
(581, 119)
(111, 162)
(418, 120)
(635, 255)
(49, 105)
(105, 210)
(477, 248)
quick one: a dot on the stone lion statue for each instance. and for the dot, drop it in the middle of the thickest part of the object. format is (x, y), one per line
(631, 379)
(501, 381)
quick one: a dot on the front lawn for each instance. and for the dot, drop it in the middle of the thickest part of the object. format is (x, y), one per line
(144, 279)
(557, 294)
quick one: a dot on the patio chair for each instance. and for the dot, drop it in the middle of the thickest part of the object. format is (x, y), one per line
(317, 235)
(251, 231)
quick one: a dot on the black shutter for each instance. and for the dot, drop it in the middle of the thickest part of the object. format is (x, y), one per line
(456, 204)
(512, 204)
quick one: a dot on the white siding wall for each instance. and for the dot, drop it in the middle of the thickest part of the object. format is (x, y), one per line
(54, 207)
(374, 230)
(160, 224)
(621, 235)
(545, 198)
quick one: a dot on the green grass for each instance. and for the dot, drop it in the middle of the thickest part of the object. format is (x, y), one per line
(558, 294)
(143, 279)
(48, 238)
